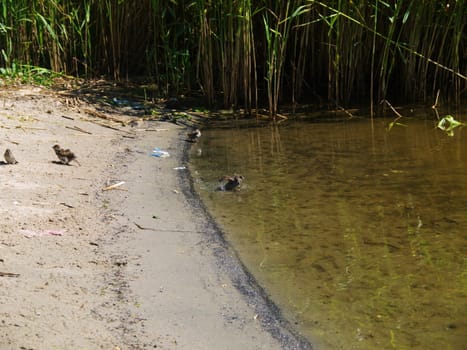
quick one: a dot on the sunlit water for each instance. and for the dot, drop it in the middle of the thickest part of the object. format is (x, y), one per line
(357, 233)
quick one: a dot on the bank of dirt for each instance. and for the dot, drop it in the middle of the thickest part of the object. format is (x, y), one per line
(135, 266)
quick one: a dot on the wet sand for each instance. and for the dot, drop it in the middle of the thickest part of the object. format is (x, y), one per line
(139, 266)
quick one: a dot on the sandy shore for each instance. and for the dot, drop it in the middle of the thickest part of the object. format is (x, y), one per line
(140, 266)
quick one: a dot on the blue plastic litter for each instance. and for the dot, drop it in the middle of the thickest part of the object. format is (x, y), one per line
(157, 152)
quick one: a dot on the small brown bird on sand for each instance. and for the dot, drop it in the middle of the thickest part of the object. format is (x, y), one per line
(65, 155)
(233, 182)
(193, 136)
(9, 158)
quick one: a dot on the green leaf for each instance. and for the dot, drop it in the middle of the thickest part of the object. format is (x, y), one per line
(448, 124)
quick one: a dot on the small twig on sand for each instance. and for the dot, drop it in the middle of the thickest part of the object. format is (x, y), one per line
(109, 127)
(103, 116)
(28, 127)
(8, 274)
(79, 129)
(142, 227)
(154, 129)
(66, 205)
(114, 186)
(162, 230)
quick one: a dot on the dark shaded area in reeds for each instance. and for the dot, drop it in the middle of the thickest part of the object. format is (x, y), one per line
(247, 53)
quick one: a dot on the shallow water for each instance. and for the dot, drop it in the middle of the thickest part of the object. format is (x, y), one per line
(357, 233)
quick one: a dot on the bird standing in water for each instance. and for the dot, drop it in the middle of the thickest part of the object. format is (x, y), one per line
(194, 136)
(9, 158)
(64, 155)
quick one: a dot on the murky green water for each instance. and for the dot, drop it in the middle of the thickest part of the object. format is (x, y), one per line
(359, 234)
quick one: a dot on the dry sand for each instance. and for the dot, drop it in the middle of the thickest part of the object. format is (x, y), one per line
(140, 266)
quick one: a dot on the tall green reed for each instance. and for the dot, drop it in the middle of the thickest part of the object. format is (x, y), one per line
(171, 44)
(244, 53)
(278, 23)
(227, 52)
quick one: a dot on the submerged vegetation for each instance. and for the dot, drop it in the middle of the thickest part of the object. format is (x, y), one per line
(245, 53)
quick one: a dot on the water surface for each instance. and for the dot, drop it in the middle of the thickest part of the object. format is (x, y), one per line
(357, 233)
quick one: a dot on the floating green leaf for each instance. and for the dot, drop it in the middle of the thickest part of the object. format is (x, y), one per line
(448, 124)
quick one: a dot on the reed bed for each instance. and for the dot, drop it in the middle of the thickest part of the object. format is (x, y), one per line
(249, 54)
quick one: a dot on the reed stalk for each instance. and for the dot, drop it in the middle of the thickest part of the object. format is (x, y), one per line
(277, 26)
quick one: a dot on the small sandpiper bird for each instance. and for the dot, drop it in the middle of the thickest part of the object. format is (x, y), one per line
(194, 136)
(233, 182)
(9, 158)
(65, 155)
